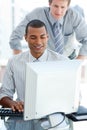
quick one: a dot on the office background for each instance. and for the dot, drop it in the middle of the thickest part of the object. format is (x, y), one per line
(12, 12)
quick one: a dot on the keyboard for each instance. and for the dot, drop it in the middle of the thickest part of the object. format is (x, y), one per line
(80, 115)
(9, 112)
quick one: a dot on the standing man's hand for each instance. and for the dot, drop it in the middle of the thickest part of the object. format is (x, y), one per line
(16, 52)
(82, 57)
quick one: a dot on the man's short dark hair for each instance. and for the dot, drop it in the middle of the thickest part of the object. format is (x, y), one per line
(50, 1)
(35, 24)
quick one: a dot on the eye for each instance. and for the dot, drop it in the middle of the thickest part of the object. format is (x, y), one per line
(32, 37)
(62, 7)
(55, 6)
(43, 37)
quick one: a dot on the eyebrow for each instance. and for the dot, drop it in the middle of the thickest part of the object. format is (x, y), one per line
(35, 35)
(43, 34)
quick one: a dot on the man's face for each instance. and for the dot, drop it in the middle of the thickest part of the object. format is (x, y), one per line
(37, 40)
(58, 8)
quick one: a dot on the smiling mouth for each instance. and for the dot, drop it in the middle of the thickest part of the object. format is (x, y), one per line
(38, 47)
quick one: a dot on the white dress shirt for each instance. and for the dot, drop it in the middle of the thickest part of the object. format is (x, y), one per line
(14, 79)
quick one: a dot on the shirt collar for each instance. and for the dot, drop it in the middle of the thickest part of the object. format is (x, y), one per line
(41, 58)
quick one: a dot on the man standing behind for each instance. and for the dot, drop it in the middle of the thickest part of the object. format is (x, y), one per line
(71, 23)
(14, 79)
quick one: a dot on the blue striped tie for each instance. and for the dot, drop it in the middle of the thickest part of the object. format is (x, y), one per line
(59, 43)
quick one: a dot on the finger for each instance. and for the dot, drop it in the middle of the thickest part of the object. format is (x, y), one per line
(19, 106)
(13, 108)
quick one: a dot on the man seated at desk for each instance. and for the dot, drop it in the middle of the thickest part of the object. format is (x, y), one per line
(14, 79)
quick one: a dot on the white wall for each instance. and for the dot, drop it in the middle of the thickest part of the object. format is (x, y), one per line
(5, 28)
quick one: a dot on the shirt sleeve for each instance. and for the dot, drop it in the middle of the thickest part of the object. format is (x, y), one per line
(8, 86)
(73, 22)
(81, 34)
(18, 33)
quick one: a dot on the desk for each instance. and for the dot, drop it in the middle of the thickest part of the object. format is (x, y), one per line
(82, 125)
(84, 72)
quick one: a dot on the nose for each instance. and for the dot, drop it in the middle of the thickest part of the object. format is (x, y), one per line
(38, 40)
(58, 10)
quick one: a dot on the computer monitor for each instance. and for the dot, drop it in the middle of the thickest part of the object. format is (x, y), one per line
(51, 87)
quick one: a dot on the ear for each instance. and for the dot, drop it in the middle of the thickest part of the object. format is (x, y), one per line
(49, 3)
(47, 35)
(25, 36)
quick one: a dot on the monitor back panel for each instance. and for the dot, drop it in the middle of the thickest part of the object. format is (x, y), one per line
(51, 87)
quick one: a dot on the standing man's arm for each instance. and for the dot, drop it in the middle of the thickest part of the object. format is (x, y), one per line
(80, 28)
(18, 33)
